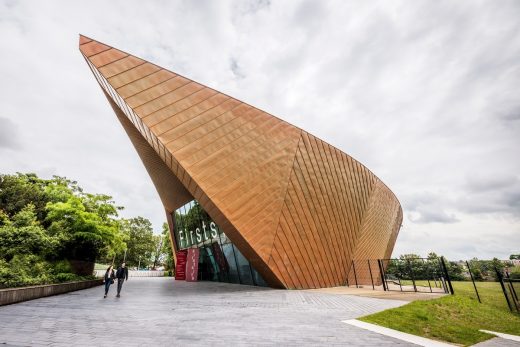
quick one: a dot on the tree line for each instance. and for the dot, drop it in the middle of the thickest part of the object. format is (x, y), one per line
(413, 265)
(47, 224)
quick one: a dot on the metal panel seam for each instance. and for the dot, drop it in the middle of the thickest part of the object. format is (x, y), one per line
(286, 188)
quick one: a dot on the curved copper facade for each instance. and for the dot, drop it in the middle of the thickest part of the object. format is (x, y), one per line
(299, 209)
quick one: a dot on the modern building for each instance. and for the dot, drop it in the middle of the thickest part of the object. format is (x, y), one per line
(249, 197)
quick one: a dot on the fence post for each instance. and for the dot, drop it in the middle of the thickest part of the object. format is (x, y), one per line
(428, 272)
(514, 296)
(382, 273)
(355, 276)
(473, 280)
(348, 274)
(371, 279)
(513, 291)
(504, 290)
(411, 274)
(445, 269)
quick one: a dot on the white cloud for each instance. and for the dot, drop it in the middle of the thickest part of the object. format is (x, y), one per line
(425, 94)
(8, 134)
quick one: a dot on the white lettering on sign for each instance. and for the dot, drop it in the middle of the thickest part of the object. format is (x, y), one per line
(213, 228)
(188, 238)
(204, 228)
(192, 264)
(181, 238)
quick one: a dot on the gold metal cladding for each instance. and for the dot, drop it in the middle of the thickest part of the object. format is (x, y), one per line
(299, 209)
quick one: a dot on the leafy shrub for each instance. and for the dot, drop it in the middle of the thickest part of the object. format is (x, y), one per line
(5, 275)
(66, 277)
(24, 236)
(62, 266)
(29, 270)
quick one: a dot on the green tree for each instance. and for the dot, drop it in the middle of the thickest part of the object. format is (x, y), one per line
(476, 268)
(24, 235)
(432, 266)
(412, 266)
(17, 191)
(514, 273)
(139, 240)
(497, 267)
(45, 223)
(456, 271)
(167, 247)
(4, 218)
(83, 231)
(158, 254)
(487, 270)
(104, 207)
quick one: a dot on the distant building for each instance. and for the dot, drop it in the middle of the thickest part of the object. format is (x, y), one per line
(249, 197)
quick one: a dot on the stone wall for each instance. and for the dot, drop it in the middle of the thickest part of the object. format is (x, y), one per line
(13, 295)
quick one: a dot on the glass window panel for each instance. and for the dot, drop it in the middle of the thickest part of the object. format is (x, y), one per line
(221, 262)
(244, 269)
(227, 249)
(259, 281)
(214, 269)
(208, 269)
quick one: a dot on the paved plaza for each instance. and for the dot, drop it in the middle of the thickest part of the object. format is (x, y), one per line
(162, 312)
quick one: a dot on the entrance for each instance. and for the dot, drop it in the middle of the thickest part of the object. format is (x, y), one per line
(219, 260)
(208, 267)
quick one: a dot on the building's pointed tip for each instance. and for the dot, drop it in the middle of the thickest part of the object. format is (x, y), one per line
(90, 46)
(83, 39)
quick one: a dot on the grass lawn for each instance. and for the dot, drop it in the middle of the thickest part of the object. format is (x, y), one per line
(454, 318)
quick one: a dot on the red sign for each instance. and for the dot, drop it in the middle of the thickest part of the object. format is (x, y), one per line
(180, 268)
(192, 265)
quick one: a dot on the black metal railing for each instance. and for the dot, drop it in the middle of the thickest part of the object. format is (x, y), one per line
(405, 275)
(495, 282)
(492, 280)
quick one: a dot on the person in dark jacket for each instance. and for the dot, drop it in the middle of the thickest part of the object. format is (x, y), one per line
(109, 279)
(122, 275)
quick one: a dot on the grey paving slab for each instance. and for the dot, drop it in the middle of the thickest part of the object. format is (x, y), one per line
(498, 342)
(162, 312)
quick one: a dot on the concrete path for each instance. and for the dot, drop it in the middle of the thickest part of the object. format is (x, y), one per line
(162, 312)
(498, 342)
(368, 292)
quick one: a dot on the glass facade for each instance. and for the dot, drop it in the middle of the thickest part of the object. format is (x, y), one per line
(219, 259)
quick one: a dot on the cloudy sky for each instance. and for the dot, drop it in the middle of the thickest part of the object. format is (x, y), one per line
(424, 93)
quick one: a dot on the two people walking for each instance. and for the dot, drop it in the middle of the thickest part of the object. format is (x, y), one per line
(121, 274)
